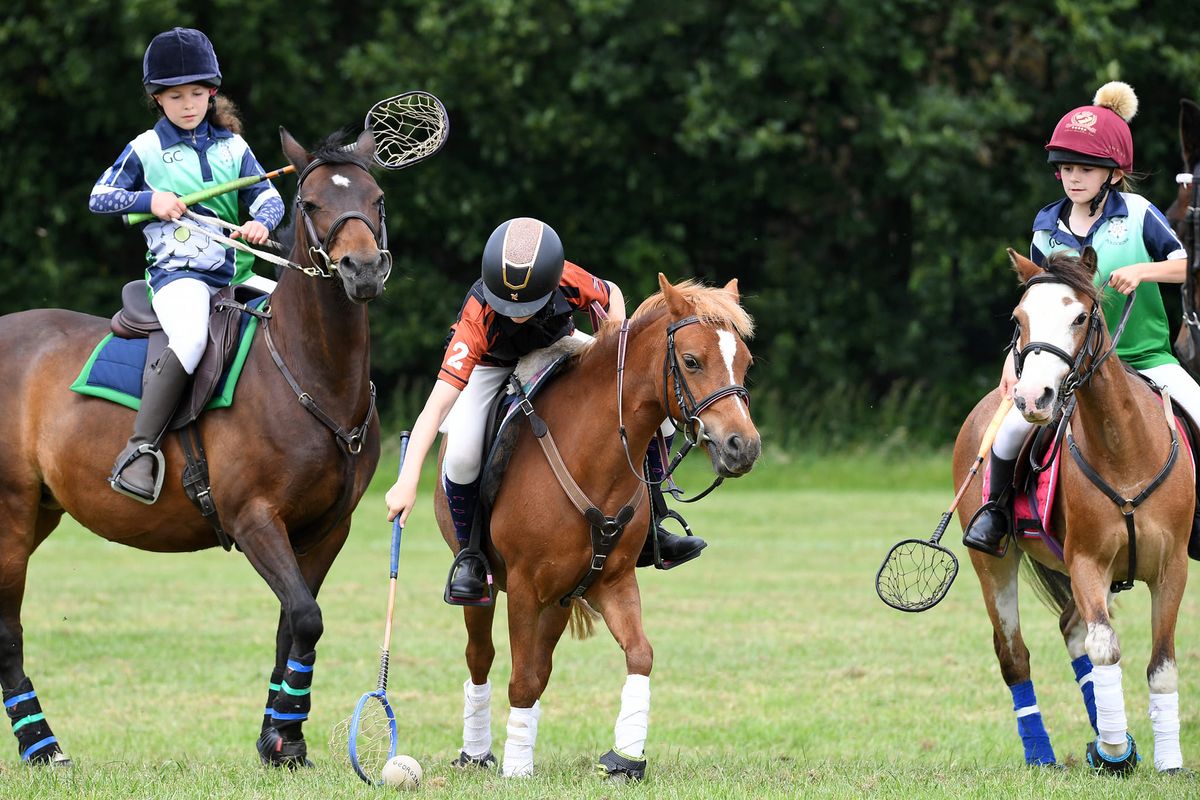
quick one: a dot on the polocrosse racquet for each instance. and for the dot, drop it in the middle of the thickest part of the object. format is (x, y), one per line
(408, 128)
(917, 573)
(372, 733)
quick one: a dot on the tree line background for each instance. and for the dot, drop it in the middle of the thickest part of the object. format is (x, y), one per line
(860, 168)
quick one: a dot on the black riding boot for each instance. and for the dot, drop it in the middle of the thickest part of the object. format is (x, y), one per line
(673, 550)
(139, 468)
(992, 522)
(467, 584)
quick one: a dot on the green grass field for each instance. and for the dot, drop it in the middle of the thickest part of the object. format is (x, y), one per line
(778, 672)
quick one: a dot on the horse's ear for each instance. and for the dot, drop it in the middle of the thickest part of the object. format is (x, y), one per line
(1189, 132)
(1024, 268)
(677, 304)
(1088, 259)
(296, 155)
(364, 146)
(731, 287)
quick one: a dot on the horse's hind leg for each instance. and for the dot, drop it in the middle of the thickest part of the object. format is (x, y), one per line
(477, 690)
(998, 582)
(36, 743)
(1074, 633)
(1162, 673)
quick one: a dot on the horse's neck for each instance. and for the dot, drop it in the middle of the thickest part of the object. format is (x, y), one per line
(323, 338)
(1112, 418)
(594, 381)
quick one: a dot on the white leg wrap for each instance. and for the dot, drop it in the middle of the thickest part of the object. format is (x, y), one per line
(634, 718)
(522, 736)
(477, 718)
(1110, 705)
(1164, 718)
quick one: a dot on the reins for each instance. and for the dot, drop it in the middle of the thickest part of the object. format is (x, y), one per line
(1190, 316)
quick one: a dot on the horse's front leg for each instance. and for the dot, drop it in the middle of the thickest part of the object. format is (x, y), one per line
(1113, 749)
(477, 689)
(621, 606)
(264, 539)
(998, 582)
(525, 686)
(1162, 674)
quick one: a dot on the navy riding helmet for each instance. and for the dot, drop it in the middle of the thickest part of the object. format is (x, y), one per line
(522, 266)
(179, 56)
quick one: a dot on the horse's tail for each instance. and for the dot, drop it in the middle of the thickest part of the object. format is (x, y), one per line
(1051, 586)
(582, 623)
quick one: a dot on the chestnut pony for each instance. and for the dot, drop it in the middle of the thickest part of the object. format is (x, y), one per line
(1119, 432)
(283, 483)
(1184, 215)
(684, 342)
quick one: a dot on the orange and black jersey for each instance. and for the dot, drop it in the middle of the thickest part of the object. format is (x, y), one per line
(482, 336)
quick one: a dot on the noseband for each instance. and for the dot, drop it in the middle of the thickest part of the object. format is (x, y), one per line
(323, 265)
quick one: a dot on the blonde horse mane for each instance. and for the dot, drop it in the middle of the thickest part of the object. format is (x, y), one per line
(716, 308)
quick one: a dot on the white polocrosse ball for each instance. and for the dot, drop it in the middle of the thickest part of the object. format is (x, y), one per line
(402, 772)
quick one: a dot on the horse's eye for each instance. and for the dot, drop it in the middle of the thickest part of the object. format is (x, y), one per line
(690, 361)
(1082, 318)
(309, 208)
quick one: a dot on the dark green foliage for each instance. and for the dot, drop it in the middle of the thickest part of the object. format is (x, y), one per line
(860, 168)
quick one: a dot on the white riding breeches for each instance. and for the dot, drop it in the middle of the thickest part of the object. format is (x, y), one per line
(182, 307)
(1184, 392)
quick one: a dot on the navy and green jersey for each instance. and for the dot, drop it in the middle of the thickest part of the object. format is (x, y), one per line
(167, 159)
(1129, 230)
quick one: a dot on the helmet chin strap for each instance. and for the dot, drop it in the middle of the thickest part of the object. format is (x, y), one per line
(1103, 193)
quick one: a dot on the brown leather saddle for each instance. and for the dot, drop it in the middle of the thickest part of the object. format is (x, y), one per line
(137, 320)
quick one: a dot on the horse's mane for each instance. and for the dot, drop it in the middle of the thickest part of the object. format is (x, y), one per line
(1071, 270)
(715, 307)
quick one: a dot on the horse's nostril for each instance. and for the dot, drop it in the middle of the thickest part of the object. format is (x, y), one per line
(1046, 398)
(733, 445)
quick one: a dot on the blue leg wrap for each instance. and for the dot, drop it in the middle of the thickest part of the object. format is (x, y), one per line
(1030, 726)
(1083, 677)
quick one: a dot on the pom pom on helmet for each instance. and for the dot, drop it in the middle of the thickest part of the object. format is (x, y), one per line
(1118, 97)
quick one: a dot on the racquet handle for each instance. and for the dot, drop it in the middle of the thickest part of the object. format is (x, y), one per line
(985, 445)
(213, 191)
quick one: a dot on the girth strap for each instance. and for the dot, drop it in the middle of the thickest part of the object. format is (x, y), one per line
(1126, 505)
(604, 531)
(196, 483)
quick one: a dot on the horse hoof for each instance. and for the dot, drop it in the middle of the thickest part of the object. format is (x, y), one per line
(1179, 772)
(275, 751)
(51, 758)
(485, 761)
(1113, 765)
(620, 768)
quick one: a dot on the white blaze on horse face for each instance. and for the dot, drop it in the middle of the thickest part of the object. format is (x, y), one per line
(727, 342)
(341, 180)
(1049, 311)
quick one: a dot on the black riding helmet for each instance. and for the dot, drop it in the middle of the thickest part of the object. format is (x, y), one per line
(522, 266)
(179, 56)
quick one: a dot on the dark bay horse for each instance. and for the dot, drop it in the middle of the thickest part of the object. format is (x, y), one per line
(1119, 428)
(1184, 215)
(684, 343)
(283, 483)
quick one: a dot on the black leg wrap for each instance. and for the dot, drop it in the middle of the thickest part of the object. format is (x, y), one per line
(272, 693)
(36, 743)
(485, 761)
(282, 742)
(617, 767)
(1122, 765)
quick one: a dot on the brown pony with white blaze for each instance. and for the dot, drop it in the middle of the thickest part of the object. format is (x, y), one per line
(540, 546)
(1120, 429)
(1184, 215)
(284, 485)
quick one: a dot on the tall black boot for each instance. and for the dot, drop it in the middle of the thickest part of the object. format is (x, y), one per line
(673, 550)
(993, 521)
(138, 472)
